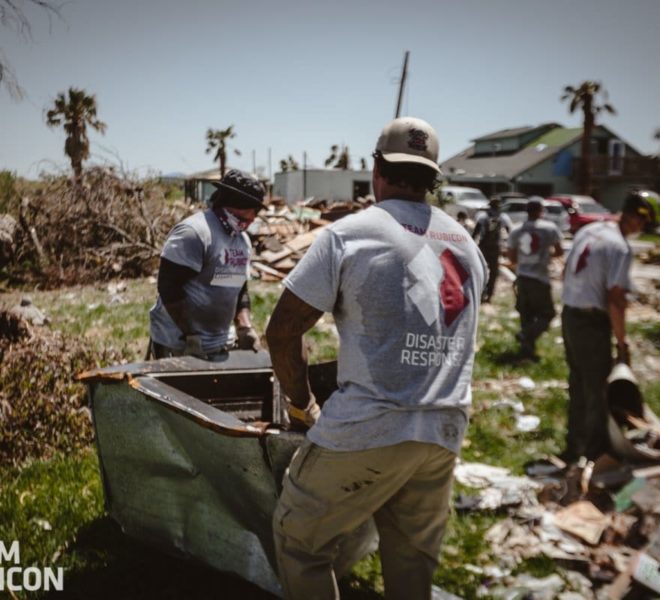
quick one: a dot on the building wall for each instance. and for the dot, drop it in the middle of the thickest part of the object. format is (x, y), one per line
(551, 172)
(331, 184)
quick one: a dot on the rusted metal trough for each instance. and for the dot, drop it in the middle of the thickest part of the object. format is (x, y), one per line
(192, 456)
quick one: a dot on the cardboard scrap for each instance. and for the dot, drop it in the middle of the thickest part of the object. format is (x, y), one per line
(583, 520)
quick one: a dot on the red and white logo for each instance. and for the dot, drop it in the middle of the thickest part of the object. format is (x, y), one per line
(441, 286)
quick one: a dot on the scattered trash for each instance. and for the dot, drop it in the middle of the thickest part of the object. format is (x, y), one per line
(28, 311)
(500, 488)
(583, 520)
(527, 423)
(526, 383)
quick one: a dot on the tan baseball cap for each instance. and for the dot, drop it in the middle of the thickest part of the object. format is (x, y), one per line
(409, 140)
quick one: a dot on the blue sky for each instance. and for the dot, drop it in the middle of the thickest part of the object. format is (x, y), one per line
(297, 76)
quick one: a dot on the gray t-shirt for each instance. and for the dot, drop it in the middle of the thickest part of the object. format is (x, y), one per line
(532, 241)
(222, 262)
(599, 260)
(403, 281)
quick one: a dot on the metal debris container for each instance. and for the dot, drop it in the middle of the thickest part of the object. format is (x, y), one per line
(192, 455)
(627, 407)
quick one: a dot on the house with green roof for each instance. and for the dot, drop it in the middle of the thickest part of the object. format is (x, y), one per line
(544, 160)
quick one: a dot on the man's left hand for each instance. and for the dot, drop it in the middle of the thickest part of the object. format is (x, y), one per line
(247, 338)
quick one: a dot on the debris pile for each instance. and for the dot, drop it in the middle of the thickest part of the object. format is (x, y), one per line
(68, 233)
(42, 409)
(600, 520)
(281, 234)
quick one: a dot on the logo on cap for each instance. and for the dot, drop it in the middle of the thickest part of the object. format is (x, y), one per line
(417, 140)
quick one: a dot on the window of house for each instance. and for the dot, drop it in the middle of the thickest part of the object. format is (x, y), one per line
(615, 152)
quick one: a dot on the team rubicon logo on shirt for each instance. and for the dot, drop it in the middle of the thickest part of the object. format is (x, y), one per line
(417, 139)
(438, 288)
(529, 243)
(582, 260)
(437, 292)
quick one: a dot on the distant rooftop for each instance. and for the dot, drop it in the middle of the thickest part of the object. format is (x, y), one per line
(557, 137)
(513, 132)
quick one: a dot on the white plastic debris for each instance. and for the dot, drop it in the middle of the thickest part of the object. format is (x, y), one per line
(526, 423)
(526, 383)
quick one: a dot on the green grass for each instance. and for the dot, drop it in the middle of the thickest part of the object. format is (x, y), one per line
(100, 562)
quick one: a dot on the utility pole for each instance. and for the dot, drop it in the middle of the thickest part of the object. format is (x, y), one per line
(270, 164)
(254, 162)
(402, 84)
(304, 175)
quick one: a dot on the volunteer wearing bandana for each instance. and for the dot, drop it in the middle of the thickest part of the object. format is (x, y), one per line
(202, 279)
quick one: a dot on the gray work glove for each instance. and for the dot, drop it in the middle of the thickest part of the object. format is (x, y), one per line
(194, 346)
(247, 338)
(302, 419)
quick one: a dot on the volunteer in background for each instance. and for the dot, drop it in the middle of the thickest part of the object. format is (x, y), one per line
(531, 245)
(596, 279)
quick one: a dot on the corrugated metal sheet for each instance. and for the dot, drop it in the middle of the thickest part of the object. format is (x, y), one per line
(191, 478)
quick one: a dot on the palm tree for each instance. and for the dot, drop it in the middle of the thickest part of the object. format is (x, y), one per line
(216, 139)
(332, 157)
(75, 112)
(341, 160)
(344, 159)
(584, 98)
(289, 164)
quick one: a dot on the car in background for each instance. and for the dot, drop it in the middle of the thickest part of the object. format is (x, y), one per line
(458, 198)
(583, 210)
(554, 211)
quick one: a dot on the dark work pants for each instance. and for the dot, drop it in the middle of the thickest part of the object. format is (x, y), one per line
(534, 303)
(587, 340)
(492, 256)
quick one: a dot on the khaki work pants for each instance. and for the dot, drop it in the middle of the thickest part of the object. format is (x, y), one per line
(328, 494)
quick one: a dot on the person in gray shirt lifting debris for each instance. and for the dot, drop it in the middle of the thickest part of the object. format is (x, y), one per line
(403, 281)
(596, 280)
(202, 280)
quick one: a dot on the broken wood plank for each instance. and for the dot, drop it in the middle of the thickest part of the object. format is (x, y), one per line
(268, 270)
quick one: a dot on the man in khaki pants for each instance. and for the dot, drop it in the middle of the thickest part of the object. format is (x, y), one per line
(403, 281)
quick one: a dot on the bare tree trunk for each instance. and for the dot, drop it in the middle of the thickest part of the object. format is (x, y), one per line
(585, 163)
(223, 164)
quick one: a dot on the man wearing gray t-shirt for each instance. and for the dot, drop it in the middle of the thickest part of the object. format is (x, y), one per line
(403, 281)
(530, 247)
(596, 279)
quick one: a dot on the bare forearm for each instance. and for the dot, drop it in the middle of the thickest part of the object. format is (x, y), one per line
(290, 320)
(616, 308)
(243, 318)
(290, 361)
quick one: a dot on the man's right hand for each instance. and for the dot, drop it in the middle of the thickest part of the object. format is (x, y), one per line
(622, 353)
(194, 347)
(303, 419)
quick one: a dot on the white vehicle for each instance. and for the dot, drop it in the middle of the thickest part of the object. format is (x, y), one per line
(460, 198)
(553, 211)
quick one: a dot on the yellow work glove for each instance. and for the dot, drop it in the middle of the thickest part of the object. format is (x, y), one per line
(303, 418)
